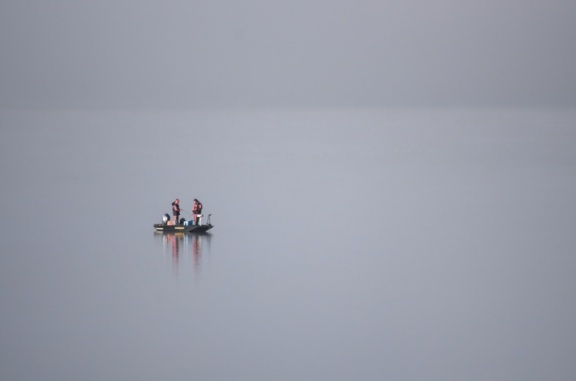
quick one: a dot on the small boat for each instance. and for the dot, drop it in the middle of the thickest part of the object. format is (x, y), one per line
(184, 226)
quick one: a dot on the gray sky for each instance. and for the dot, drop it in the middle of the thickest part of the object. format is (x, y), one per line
(303, 53)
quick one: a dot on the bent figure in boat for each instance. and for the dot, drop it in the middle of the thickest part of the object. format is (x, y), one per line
(184, 226)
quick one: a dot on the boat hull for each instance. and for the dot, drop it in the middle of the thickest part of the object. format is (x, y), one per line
(182, 228)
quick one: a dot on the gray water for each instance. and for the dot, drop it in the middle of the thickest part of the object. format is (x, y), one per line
(348, 245)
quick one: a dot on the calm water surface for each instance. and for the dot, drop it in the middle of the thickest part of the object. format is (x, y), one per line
(348, 245)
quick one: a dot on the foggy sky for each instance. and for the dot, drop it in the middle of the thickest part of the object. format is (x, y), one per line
(302, 53)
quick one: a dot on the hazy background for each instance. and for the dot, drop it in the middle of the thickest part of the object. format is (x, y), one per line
(311, 53)
(392, 187)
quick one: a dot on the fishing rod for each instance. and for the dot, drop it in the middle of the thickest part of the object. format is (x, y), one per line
(184, 210)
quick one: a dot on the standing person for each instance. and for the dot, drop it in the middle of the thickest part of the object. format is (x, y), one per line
(196, 210)
(176, 210)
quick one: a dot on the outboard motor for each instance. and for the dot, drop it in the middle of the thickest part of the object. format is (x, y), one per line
(165, 218)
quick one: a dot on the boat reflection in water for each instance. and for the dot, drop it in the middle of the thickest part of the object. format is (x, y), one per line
(185, 248)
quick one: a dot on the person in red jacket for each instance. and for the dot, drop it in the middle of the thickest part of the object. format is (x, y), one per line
(176, 210)
(196, 210)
